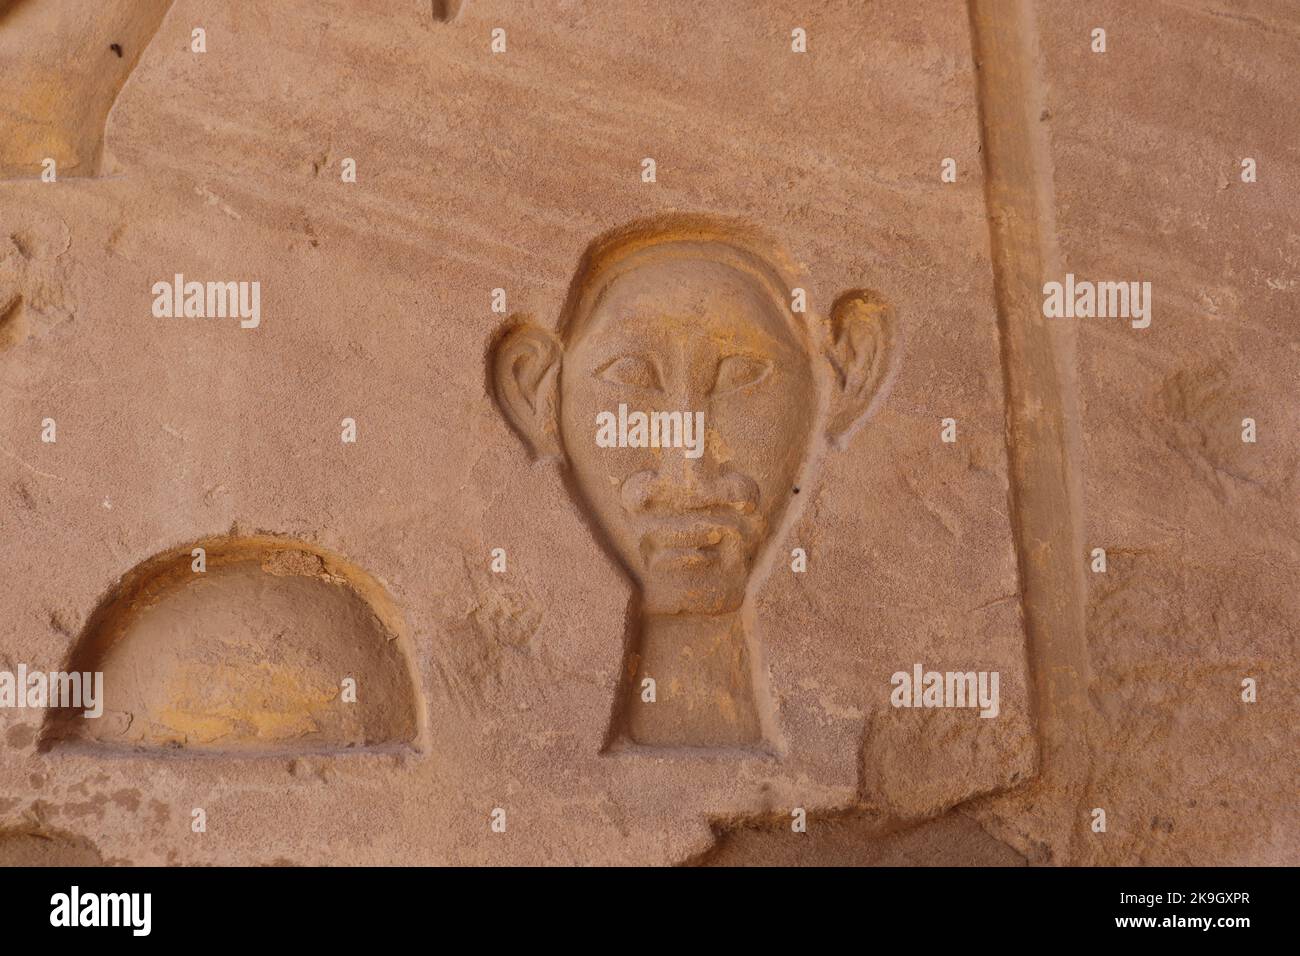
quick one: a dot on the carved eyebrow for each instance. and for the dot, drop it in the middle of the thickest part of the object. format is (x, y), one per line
(741, 351)
(627, 336)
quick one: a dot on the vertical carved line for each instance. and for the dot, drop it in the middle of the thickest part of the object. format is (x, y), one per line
(1041, 400)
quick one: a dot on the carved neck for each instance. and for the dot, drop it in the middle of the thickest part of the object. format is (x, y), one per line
(703, 683)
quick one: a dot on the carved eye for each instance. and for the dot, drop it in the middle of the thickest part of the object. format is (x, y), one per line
(635, 371)
(737, 371)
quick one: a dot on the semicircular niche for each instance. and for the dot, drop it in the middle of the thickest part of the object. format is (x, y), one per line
(275, 647)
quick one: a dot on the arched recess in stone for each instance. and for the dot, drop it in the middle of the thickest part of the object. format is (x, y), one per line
(252, 655)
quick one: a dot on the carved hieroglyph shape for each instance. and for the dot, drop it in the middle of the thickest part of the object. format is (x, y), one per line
(64, 64)
(693, 315)
(250, 655)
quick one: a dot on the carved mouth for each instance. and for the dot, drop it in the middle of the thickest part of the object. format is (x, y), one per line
(679, 546)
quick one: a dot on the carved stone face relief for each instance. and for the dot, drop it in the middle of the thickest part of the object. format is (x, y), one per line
(680, 330)
(690, 402)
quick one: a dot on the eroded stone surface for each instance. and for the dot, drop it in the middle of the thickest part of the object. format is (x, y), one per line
(479, 171)
(1200, 529)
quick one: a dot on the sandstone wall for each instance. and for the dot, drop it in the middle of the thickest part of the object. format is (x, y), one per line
(410, 399)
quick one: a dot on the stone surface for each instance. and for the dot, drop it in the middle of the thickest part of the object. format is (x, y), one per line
(522, 689)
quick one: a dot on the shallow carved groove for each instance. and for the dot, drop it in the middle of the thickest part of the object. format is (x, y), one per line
(1042, 419)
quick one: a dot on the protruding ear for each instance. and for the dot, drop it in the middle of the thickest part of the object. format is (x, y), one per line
(524, 363)
(861, 351)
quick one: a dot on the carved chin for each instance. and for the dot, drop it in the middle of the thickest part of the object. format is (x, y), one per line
(693, 572)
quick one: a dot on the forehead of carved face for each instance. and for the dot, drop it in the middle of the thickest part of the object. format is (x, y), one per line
(697, 336)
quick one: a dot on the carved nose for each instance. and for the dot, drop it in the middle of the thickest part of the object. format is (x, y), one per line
(686, 487)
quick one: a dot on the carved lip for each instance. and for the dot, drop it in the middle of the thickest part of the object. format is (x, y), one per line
(687, 543)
